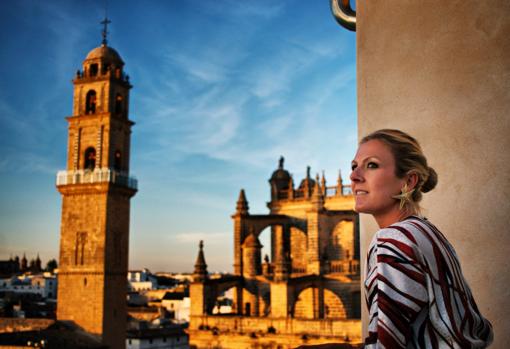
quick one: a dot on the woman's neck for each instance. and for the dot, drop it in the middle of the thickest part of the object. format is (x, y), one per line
(394, 216)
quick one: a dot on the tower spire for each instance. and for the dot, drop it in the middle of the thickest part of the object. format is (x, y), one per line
(200, 273)
(242, 204)
(105, 23)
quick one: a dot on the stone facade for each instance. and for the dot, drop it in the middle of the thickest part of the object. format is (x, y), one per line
(96, 191)
(306, 291)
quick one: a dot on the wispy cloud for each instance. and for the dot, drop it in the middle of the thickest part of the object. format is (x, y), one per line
(245, 9)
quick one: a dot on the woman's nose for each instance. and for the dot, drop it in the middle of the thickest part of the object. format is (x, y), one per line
(355, 175)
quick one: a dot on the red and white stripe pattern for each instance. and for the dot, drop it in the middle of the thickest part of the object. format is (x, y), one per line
(416, 294)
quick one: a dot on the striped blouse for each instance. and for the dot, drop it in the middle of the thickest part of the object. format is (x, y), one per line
(416, 294)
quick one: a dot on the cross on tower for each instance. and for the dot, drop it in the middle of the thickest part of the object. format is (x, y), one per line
(105, 22)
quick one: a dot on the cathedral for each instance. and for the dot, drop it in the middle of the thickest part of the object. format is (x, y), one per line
(306, 291)
(96, 190)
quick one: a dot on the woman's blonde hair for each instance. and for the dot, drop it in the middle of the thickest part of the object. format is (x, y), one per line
(408, 158)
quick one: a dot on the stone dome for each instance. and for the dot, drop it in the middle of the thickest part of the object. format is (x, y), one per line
(281, 175)
(104, 53)
(311, 183)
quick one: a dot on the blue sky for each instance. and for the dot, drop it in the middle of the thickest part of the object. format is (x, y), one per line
(221, 90)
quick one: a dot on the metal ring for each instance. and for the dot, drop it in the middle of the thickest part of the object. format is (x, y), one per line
(344, 14)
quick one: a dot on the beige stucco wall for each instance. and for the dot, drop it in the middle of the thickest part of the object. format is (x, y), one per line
(440, 70)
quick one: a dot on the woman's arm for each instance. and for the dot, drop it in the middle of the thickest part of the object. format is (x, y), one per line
(397, 289)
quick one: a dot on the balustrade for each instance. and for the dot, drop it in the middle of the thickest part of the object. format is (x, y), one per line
(103, 175)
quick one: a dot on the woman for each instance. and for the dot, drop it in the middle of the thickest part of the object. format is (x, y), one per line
(415, 291)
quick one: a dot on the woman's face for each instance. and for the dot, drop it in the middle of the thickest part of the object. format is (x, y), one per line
(374, 182)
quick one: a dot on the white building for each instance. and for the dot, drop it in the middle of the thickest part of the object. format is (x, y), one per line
(177, 303)
(142, 280)
(43, 285)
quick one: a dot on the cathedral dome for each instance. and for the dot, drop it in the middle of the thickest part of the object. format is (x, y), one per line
(280, 176)
(104, 53)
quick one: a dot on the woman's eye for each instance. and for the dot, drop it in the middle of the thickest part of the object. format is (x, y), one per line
(372, 165)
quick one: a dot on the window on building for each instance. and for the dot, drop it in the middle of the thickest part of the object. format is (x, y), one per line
(90, 102)
(93, 69)
(79, 248)
(84, 281)
(117, 160)
(118, 103)
(106, 67)
(90, 159)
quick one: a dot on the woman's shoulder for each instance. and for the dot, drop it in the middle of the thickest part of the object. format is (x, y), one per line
(405, 231)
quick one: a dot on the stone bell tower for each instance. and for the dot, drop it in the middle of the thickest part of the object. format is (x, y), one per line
(96, 191)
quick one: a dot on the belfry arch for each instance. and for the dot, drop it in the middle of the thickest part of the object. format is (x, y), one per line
(89, 161)
(90, 102)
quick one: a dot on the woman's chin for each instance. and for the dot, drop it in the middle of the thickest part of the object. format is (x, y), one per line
(360, 208)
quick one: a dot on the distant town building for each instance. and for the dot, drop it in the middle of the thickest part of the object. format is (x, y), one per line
(43, 285)
(9, 267)
(140, 280)
(96, 190)
(177, 304)
(305, 291)
(14, 266)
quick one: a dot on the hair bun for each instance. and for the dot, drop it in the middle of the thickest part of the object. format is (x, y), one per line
(431, 181)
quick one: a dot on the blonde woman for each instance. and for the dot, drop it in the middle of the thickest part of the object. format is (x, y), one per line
(415, 291)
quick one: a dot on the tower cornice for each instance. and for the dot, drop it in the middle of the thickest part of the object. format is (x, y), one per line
(106, 117)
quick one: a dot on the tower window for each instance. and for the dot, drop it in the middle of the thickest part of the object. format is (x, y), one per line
(106, 68)
(90, 159)
(93, 69)
(90, 106)
(79, 249)
(117, 160)
(118, 103)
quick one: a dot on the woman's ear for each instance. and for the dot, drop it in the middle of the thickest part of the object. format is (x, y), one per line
(412, 180)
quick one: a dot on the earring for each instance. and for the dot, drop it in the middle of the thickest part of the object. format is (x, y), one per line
(404, 196)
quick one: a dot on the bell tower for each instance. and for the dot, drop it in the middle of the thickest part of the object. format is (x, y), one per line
(96, 190)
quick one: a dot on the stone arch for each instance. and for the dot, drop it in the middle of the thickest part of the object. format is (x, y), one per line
(90, 102)
(94, 69)
(224, 302)
(250, 303)
(333, 306)
(89, 162)
(264, 237)
(313, 302)
(341, 241)
(304, 304)
(256, 224)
